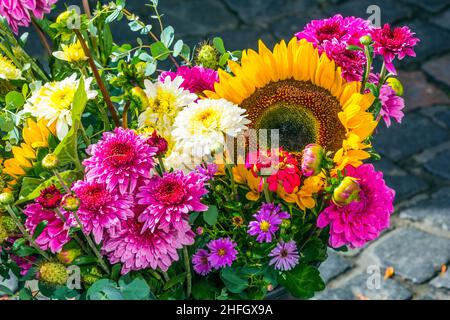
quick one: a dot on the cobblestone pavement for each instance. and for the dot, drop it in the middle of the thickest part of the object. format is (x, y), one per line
(415, 154)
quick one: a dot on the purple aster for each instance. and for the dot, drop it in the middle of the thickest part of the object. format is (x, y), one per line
(122, 158)
(284, 255)
(201, 263)
(168, 199)
(207, 171)
(101, 209)
(267, 222)
(223, 252)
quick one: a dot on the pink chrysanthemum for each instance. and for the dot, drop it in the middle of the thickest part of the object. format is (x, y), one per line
(391, 43)
(362, 220)
(138, 250)
(391, 105)
(121, 159)
(196, 79)
(170, 198)
(284, 256)
(18, 12)
(347, 30)
(352, 62)
(200, 262)
(55, 233)
(101, 209)
(268, 220)
(222, 252)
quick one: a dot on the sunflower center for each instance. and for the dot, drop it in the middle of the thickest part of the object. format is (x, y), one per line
(303, 112)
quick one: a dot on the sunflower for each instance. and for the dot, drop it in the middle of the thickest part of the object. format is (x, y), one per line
(303, 95)
(35, 135)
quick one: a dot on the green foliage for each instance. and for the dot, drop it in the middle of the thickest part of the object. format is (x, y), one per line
(302, 282)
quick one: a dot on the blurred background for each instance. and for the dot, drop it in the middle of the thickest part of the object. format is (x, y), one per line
(409, 260)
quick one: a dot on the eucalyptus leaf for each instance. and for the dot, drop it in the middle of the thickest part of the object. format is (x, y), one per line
(210, 215)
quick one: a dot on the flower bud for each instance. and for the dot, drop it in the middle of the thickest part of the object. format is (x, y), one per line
(8, 224)
(139, 98)
(396, 85)
(347, 191)
(159, 143)
(366, 40)
(50, 161)
(3, 235)
(70, 202)
(53, 274)
(312, 159)
(285, 223)
(200, 231)
(66, 256)
(207, 56)
(270, 287)
(6, 198)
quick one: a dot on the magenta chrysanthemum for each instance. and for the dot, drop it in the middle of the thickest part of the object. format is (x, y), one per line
(391, 105)
(18, 12)
(138, 250)
(284, 255)
(101, 209)
(222, 252)
(391, 43)
(196, 79)
(121, 159)
(347, 30)
(200, 262)
(170, 198)
(362, 220)
(352, 62)
(268, 220)
(55, 233)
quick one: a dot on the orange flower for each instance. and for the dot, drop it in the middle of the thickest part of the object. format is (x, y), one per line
(304, 196)
(243, 176)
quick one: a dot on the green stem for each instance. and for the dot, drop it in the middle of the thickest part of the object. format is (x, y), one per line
(25, 233)
(84, 136)
(92, 245)
(266, 190)
(61, 181)
(42, 37)
(367, 71)
(161, 163)
(166, 276)
(187, 265)
(77, 239)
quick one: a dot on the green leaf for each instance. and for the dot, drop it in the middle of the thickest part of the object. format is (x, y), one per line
(14, 99)
(104, 289)
(6, 123)
(83, 260)
(223, 59)
(186, 52)
(5, 290)
(233, 280)
(28, 185)
(137, 289)
(177, 48)
(218, 44)
(210, 215)
(179, 278)
(39, 228)
(302, 282)
(203, 290)
(167, 36)
(25, 294)
(159, 51)
(354, 48)
(314, 250)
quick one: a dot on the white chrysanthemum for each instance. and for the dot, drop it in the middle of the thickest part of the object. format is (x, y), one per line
(53, 102)
(8, 70)
(166, 98)
(200, 128)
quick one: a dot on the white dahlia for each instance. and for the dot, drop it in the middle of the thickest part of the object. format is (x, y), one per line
(200, 129)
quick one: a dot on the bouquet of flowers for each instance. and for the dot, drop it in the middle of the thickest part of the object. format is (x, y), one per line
(153, 171)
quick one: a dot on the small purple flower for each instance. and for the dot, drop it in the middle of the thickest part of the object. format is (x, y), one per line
(223, 252)
(285, 255)
(267, 222)
(207, 171)
(391, 105)
(201, 263)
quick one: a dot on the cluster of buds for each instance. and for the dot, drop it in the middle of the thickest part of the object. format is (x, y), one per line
(53, 274)
(207, 56)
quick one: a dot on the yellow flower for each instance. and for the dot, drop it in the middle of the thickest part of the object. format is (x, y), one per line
(243, 176)
(299, 92)
(304, 196)
(71, 53)
(8, 70)
(35, 136)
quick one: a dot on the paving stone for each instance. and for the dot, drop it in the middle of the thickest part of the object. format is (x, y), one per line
(248, 38)
(262, 11)
(419, 92)
(390, 11)
(435, 68)
(414, 134)
(440, 165)
(10, 283)
(404, 184)
(287, 27)
(359, 287)
(436, 295)
(430, 5)
(333, 266)
(434, 211)
(412, 253)
(433, 41)
(443, 19)
(440, 114)
(442, 281)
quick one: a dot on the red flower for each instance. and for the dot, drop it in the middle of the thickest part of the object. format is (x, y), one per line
(50, 197)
